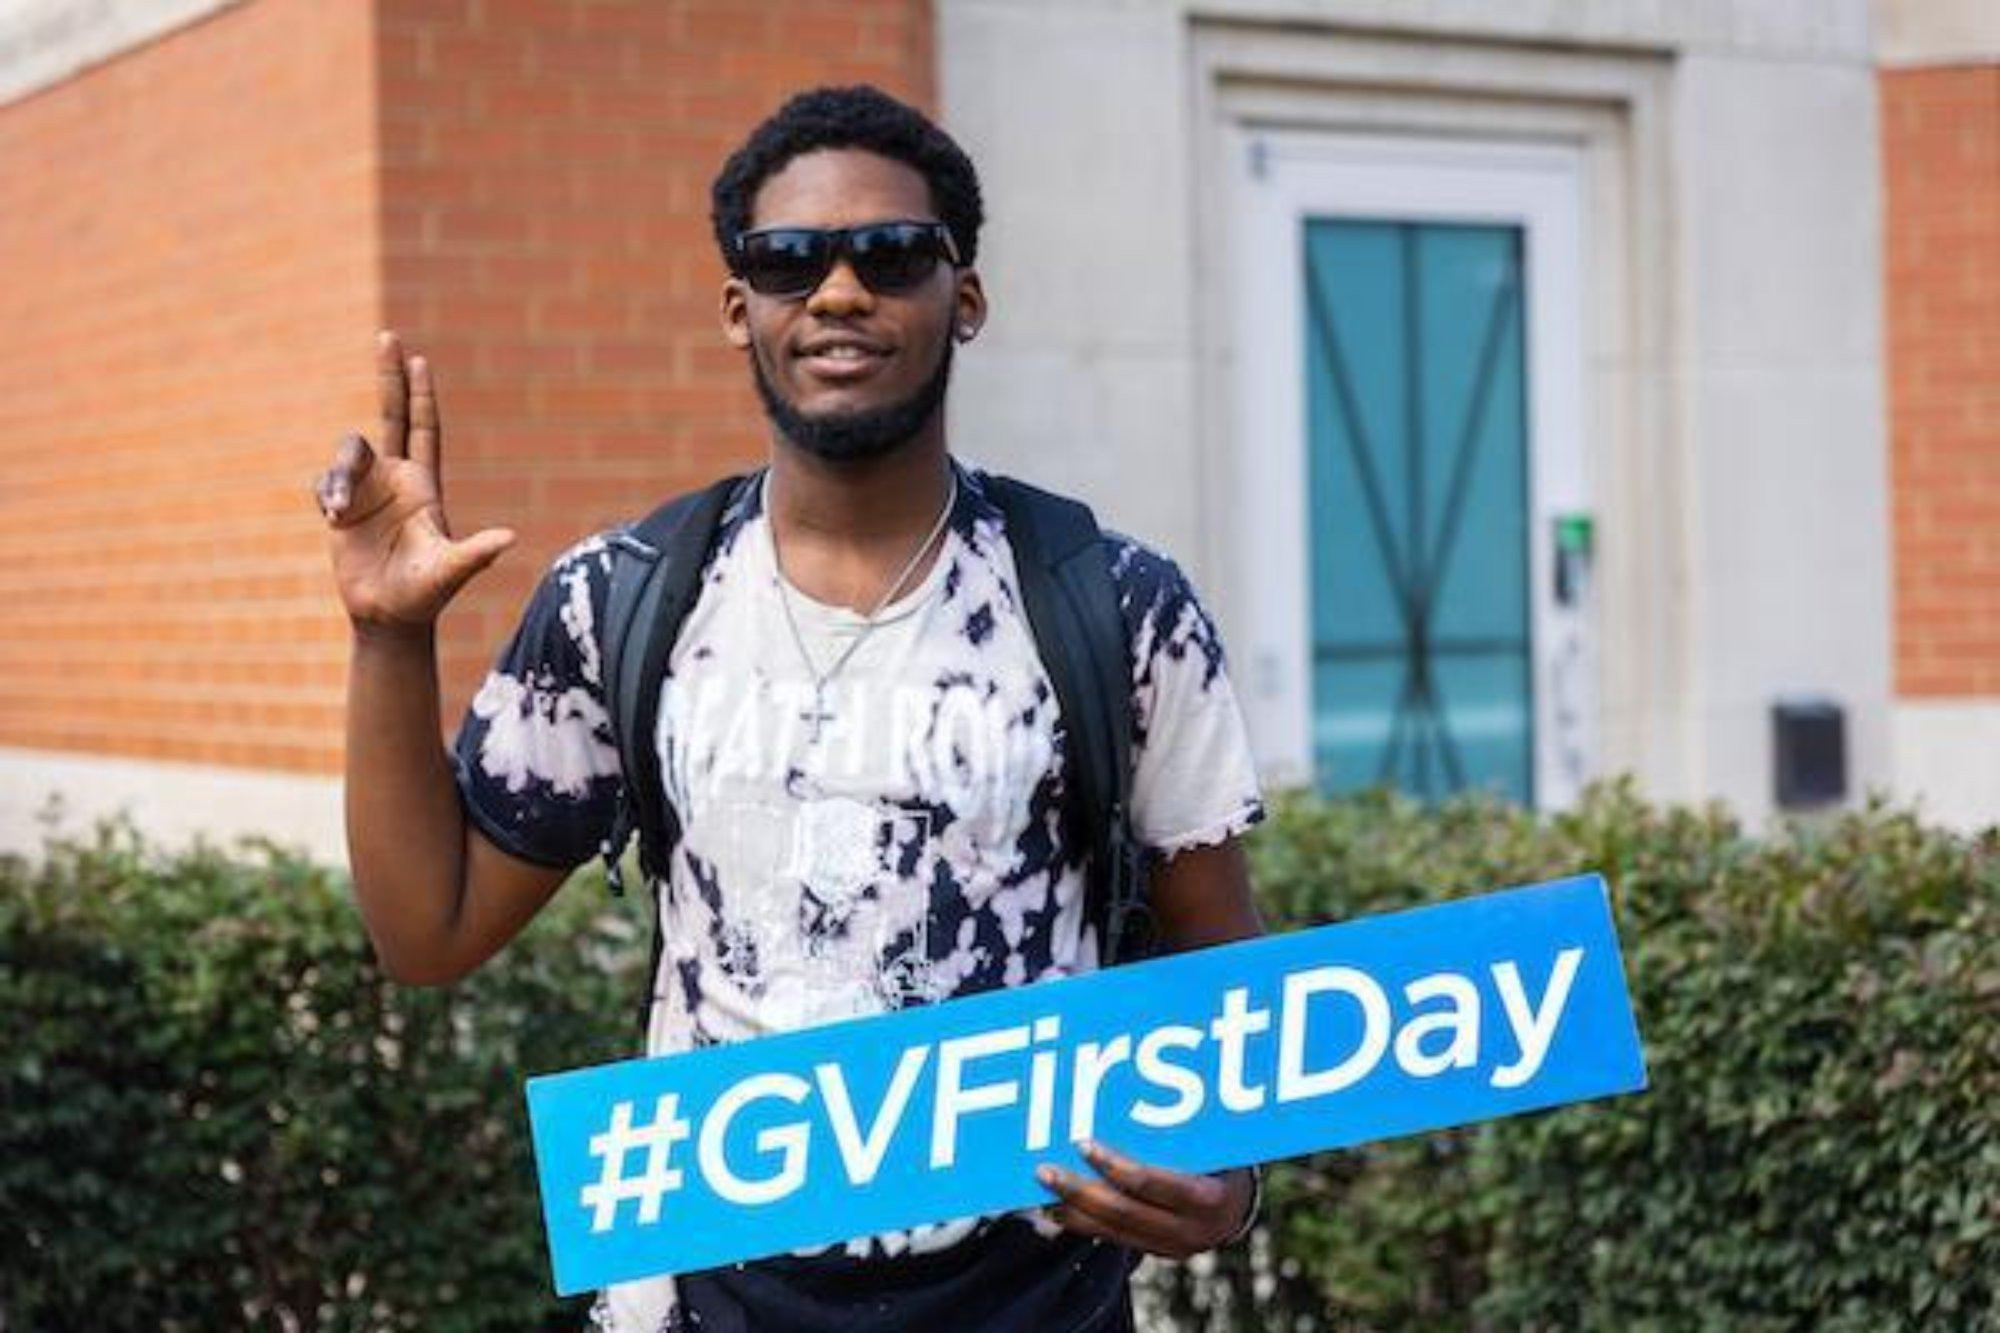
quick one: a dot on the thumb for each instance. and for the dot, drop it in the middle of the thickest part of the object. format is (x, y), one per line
(470, 555)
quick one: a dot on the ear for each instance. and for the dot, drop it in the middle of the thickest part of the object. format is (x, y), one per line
(968, 306)
(735, 313)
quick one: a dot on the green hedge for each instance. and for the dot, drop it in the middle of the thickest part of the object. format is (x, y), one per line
(1820, 1145)
(214, 1113)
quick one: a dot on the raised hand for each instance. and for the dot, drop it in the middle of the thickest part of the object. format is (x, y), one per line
(394, 559)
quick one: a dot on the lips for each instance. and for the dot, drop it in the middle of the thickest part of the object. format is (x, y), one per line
(842, 357)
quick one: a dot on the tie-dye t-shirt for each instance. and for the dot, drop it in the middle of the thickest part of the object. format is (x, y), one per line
(893, 838)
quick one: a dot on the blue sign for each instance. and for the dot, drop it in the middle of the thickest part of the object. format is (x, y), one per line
(1244, 1053)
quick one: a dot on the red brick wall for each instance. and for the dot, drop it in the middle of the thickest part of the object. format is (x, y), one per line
(199, 239)
(1941, 154)
(187, 261)
(545, 179)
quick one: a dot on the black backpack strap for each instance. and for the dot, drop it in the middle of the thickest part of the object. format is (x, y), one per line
(656, 567)
(1072, 607)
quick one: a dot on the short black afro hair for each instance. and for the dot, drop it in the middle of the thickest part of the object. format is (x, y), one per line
(858, 117)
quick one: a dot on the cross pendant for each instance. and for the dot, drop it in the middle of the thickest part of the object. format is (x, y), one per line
(818, 715)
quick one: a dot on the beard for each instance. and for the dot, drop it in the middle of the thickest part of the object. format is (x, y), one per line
(852, 437)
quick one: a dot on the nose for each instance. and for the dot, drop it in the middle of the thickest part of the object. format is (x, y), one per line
(840, 292)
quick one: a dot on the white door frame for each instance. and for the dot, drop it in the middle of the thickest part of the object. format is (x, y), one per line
(1279, 179)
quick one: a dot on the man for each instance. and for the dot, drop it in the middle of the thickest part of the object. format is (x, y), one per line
(857, 737)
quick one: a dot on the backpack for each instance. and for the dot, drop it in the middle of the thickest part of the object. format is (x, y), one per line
(1072, 609)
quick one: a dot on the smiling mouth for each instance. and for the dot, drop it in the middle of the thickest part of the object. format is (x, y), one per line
(842, 361)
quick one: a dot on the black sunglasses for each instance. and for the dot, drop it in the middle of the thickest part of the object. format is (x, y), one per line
(887, 256)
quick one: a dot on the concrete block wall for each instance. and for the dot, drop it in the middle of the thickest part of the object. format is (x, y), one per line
(1735, 238)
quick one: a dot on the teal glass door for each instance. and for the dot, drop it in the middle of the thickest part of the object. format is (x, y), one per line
(1418, 507)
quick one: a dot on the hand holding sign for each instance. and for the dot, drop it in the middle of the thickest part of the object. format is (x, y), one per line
(1168, 1213)
(1245, 1052)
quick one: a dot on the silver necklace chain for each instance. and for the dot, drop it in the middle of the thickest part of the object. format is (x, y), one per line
(819, 715)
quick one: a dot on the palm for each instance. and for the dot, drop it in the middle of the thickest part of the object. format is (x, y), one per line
(392, 563)
(395, 562)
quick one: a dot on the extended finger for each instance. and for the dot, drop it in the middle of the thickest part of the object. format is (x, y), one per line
(1176, 1191)
(426, 433)
(393, 388)
(336, 487)
(466, 558)
(1099, 1208)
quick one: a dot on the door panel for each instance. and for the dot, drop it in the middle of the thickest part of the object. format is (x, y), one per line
(1418, 506)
